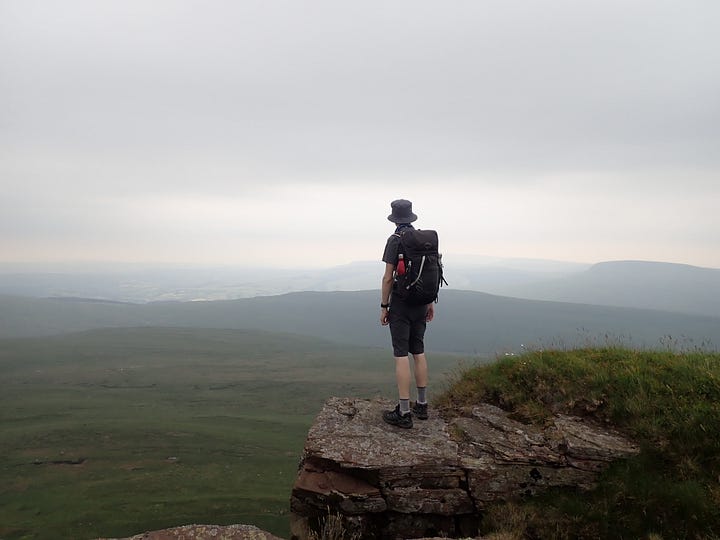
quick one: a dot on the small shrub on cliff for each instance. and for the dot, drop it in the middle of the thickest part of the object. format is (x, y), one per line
(332, 527)
(668, 402)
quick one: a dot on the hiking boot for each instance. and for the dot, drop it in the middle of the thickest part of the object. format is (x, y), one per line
(420, 410)
(394, 418)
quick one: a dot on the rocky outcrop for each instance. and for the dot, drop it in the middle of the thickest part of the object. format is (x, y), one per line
(437, 478)
(204, 532)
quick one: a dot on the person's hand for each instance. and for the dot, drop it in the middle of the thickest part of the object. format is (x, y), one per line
(384, 316)
(430, 312)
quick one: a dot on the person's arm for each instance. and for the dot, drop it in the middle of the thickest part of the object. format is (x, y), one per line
(430, 312)
(385, 290)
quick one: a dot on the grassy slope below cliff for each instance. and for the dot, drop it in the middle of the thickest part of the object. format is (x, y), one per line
(118, 431)
(669, 403)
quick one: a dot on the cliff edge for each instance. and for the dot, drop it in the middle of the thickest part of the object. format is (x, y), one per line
(437, 478)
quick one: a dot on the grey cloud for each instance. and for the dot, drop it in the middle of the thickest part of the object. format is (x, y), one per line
(403, 86)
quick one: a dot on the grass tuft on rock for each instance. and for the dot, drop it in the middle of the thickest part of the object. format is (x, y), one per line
(667, 402)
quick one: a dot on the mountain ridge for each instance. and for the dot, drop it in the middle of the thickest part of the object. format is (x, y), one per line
(664, 286)
(466, 322)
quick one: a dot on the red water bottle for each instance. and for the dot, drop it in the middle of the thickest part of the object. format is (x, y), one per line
(401, 265)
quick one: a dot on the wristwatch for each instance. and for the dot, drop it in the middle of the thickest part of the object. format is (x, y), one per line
(384, 305)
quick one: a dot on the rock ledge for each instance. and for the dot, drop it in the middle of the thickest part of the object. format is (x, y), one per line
(204, 532)
(437, 478)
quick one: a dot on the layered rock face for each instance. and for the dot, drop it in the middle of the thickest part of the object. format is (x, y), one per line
(436, 478)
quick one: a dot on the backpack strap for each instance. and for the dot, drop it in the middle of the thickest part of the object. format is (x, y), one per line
(400, 245)
(422, 265)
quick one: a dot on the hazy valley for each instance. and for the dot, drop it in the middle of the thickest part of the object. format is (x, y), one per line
(635, 284)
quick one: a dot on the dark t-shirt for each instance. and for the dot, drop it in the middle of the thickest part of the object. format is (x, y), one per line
(390, 255)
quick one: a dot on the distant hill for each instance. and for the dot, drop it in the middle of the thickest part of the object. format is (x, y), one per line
(650, 285)
(467, 322)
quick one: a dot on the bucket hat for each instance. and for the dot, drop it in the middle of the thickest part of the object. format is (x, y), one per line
(401, 212)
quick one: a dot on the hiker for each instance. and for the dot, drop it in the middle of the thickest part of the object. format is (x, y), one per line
(408, 315)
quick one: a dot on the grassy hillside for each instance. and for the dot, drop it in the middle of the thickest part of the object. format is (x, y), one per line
(466, 322)
(119, 431)
(669, 403)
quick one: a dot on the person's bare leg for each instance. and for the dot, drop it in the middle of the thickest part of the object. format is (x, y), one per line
(421, 370)
(402, 376)
(421, 380)
(401, 415)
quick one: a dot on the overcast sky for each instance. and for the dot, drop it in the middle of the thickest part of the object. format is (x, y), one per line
(278, 132)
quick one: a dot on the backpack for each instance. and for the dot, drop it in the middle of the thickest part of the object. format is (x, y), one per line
(423, 275)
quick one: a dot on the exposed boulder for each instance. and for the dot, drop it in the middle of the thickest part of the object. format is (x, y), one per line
(436, 478)
(204, 532)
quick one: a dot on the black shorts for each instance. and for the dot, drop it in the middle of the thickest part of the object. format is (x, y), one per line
(407, 328)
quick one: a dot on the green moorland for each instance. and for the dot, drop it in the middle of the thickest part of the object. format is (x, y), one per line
(119, 431)
(668, 402)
